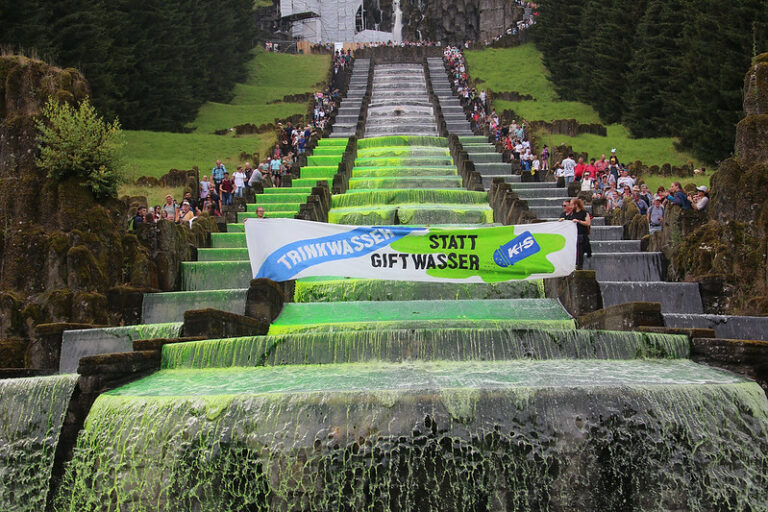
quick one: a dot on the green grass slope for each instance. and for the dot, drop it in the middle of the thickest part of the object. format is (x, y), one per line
(271, 76)
(520, 69)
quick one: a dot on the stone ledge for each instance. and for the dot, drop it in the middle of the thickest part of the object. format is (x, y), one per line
(215, 324)
(44, 350)
(748, 358)
(123, 363)
(623, 317)
(579, 293)
(691, 332)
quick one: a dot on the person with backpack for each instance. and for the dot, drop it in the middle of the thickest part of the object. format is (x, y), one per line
(678, 196)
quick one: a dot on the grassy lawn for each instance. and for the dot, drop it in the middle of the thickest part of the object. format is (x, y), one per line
(520, 69)
(155, 195)
(271, 76)
(651, 151)
(155, 153)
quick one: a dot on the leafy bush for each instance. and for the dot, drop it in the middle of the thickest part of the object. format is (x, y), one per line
(76, 142)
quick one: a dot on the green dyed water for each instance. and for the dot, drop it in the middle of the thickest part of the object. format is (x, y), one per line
(241, 216)
(432, 182)
(443, 436)
(222, 254)
(329, 150)
(311, 182)
(215, 275)
(323, 160)
(31, 415)
(402, 151)
(288, 190)
(362, 315)
(347, 290)
(412, 161)
(333, 142)
(270, 199)
(319, 171)
(409, 196)
(398, 345)
(225, 240)
(402, 140)
(387, 172)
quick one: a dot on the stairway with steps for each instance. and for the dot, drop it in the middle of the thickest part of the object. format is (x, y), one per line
(345, 124)
(453, 112)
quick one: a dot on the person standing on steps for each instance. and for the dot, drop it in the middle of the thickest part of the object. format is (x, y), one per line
(217, 173)
(545, 158)
(569, 170)
(655, 215)
(583, 224)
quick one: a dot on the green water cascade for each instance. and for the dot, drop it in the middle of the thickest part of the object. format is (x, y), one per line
(375, 395)
(32, 412)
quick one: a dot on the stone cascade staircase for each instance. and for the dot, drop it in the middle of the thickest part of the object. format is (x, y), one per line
(349, 110)
(623, 271)
(453, 112)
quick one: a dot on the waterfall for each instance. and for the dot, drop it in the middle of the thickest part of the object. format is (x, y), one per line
(397, 32)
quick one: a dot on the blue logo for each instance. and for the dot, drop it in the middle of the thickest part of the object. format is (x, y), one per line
(517, 249)
(289, 260)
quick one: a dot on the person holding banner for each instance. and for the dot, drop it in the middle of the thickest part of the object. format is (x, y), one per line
(583, 224)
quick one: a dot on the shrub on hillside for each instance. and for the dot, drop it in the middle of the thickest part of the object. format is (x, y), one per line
(76, 142)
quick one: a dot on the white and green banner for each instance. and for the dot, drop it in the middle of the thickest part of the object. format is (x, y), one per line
(284, 249)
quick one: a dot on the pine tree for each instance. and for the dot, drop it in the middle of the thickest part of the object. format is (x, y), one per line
(652, 78)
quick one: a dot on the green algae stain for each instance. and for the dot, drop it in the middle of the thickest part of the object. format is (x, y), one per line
(486, 243)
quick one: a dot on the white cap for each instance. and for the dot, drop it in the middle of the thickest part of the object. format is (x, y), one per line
(701, 188)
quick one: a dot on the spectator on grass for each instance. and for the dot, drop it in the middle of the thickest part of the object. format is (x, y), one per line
(226, 188)
(217, 173)
(655, 215)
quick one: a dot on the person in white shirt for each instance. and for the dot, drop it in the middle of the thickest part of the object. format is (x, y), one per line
(569, 169)
(239, 179)
(625, 180)
(535, 166)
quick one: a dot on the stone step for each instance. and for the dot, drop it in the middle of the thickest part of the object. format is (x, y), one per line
(613, 246)
(673, 297)
(626, 266)
(553, 202)
(604, 233)
(484, 158)
(473, 139)
(488, 168)
(540, 192)
(487, 180)
(725, 326)
(534, 185)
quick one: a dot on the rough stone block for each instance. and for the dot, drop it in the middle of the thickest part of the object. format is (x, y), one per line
(691, 332)
(44, 350)
(745, 357)
(123, 364)
(264, 300)
(623, 317)
(215, 324)
(12, 352)
(579, 293)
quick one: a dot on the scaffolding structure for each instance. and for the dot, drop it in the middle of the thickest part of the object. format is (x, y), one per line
(323, 21)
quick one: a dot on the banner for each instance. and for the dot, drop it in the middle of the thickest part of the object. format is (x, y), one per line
(285, 249)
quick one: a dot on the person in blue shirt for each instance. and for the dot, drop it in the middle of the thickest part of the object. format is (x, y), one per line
(678, 196)
(217, 173)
